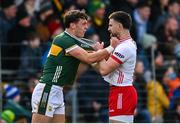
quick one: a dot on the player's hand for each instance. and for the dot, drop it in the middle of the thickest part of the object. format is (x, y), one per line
(114, 41)
(98, 46)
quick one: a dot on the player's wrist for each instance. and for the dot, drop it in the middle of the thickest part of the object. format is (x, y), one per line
(109, 49)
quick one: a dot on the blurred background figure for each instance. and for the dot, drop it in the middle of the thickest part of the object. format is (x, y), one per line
(91, 98)
(97, 11)
(17, 36)
(168, 37)
(7, 116)
(124, 5)
(142, 114)
(141, 24)
(7, 22)
(30, 62)
(11, 102)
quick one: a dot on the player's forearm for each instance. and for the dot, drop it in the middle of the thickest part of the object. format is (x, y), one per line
(101, 67)
(99, 55)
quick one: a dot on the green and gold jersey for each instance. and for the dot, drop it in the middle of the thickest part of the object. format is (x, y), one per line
(61, 68)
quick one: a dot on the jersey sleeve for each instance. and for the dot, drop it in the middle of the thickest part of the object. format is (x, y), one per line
(67, 43)
(120, 54)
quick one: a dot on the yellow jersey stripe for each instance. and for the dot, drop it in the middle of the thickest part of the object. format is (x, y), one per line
(55, 50)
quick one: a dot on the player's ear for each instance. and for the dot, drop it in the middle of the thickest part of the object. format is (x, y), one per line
(72, 25)
(120, 25)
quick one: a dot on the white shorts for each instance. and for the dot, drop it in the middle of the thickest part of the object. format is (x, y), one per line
(48, 100)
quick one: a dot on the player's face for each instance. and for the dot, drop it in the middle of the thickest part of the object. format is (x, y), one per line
(80, 28)
(114, 28)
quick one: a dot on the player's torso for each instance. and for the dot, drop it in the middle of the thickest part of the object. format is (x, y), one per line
(60, 68)
(123, 75)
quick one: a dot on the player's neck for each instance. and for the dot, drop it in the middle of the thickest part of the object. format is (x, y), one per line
(71, 32)
(124, 35)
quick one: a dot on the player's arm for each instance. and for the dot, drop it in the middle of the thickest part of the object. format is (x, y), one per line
(119, 55)
(96, 56)
(105, 67)
(89, 58)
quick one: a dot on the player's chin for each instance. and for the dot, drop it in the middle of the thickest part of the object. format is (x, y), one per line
(82, 35)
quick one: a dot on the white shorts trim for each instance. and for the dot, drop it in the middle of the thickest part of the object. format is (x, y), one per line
(123, 118)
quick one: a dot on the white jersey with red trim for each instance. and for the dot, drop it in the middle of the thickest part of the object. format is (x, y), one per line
(125, 54)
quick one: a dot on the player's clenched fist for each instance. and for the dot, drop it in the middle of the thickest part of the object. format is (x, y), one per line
(98, 46)
(114, 41)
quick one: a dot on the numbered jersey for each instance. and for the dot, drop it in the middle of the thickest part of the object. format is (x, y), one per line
(61, 68)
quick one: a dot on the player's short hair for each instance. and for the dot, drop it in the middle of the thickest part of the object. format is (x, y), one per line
(73, 16)
(123, 18)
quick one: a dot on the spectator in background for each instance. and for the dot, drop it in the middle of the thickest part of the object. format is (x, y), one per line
(157, 100)
(141, 22)
(41, 26)
(173, 11)
(149, 42)
(7, 116)
(142, 114)
(175, 94)
(58, 7)
(7, 18)
(96, 10)
(29, 7)
(16, 38)
(11, 102)
(54, 26)
(171, 80)
(124, 5)
(177, 110)
(92, 94)
(12, 93)
(81, 4)
(31, 54)
(7, 22)
(177, 55)
(158, 8)
(168, 37)
(173, 113)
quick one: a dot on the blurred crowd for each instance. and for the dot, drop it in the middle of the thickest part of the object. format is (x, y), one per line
(27, 29)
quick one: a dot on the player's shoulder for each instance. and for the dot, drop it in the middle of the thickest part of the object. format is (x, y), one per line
(63, 39)
(60, 37)
(128, 44)
(122, 45)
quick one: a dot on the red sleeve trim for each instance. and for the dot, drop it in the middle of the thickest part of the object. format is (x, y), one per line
(116, 59)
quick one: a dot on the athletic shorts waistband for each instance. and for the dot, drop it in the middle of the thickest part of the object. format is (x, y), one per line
(54, 86)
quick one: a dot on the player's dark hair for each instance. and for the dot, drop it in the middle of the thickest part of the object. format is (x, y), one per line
(73, 16)
(123, 18)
